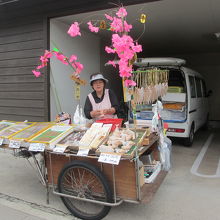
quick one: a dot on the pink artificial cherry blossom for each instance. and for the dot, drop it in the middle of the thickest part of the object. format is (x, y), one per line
(39, 67)
(129, 82)
(47, 54)
(109, 50)
(137, 48)
(79, 67)
(73, 58)
(112, 62)
(121, 12)
(93, 28)
(61, 57)
(109, 17)
(74, 30)
(36, 73)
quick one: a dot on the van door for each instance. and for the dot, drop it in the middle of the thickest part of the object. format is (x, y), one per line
(199, 100)
(193, 105)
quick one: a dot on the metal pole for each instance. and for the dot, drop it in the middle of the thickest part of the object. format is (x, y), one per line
(114, 187)
(38, 169)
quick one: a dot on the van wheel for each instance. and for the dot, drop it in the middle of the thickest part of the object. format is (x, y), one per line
(189, 141)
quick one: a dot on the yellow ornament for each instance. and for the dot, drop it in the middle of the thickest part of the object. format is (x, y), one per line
(143, 18)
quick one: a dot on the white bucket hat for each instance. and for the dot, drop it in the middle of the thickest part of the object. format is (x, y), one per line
(97, 77)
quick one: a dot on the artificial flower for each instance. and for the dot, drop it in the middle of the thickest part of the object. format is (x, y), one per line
(93, 28)
(61, 57)
(127, 27)
(79, 67)
(137, 48)
(109, 50)
(121, 12)
(36, 73)
(74, 30)
(112, 62)
(129, 82)
(125, 71)
(39, 67)
(117, 25)
(73, 58)
(48, 54)
(109, 17)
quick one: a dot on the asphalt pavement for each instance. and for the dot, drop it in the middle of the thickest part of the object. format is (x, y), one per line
(8, 213)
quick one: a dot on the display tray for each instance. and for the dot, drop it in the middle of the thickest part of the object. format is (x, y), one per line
(52, 135)
(138, 141)
(71, 141)
(13, 129)
(32, 131)
(5, 124)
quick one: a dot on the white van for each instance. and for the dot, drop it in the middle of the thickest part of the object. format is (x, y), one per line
(186, 102)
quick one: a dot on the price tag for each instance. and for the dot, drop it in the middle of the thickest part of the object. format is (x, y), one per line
(59, 149)
(109, 158)
(14, 144)
(1, 141)
(39, 147)
(83, 152)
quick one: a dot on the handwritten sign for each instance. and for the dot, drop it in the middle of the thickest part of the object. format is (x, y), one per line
(14, 144)
(77, 91)
(83, 152)
(59, 149)
(1, 141)
(109, 158)
(37, 147)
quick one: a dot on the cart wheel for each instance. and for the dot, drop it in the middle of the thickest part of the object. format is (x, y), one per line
(84, 180)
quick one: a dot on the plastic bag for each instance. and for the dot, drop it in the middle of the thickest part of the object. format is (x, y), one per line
(165, 152)
(76, 116)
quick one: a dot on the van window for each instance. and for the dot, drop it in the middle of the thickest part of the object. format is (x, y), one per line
(198, 87)
(176, 82)
(204, 92)
(192, 86)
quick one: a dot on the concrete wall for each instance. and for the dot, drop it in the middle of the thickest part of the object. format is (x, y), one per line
(87, 49)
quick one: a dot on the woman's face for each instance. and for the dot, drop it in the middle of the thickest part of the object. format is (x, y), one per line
(98, 85)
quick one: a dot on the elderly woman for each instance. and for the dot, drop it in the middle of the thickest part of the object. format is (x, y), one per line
(102, 102)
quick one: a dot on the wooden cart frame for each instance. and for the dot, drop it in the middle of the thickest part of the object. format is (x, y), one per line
(124, 179)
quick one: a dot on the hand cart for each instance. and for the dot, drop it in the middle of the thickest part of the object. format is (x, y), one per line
(89, 188)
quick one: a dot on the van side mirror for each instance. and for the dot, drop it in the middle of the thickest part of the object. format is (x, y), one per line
(209, 93)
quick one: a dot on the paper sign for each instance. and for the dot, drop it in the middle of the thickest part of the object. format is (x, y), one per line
(39, 147)
(109, 158)
(1, 141)
(83, 152)
(59, 149)
(77, 91)
(60, 128)
(14, 144)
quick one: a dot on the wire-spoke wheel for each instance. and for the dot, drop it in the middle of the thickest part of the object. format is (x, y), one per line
(85, 181)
